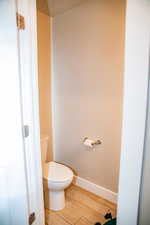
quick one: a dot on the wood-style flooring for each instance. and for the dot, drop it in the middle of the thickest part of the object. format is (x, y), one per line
(82, 208)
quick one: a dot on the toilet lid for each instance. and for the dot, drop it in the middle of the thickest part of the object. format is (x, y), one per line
(56, 172)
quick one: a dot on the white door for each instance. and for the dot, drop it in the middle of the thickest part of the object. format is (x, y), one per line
(14, 207)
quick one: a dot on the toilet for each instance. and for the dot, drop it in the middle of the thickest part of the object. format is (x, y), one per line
(56, 177)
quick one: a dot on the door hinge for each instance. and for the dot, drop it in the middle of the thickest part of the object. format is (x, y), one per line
(20, 21)
(26, 131)
(32, 218)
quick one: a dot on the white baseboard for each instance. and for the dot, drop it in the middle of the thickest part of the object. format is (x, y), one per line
(96, 189)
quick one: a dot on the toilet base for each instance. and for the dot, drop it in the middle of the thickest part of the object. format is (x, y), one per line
(54, 200)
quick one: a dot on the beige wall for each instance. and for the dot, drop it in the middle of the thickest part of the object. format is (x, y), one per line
(44, 68)
(88, 85)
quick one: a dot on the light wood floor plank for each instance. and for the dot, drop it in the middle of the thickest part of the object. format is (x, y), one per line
(54, 219)
(100, 200)
(83, 221)
(82, 208)
(86, 200)
(74, 210)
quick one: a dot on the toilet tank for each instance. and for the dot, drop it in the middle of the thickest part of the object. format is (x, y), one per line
(44, 148)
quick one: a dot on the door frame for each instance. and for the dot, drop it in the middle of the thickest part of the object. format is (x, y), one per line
(29, 68)
(136, 79)
(136, 75)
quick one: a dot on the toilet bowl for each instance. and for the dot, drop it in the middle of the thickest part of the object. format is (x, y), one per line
(56, 177)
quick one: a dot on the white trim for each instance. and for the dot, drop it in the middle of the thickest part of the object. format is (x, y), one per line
(134, 113)
(36, 120)
(28, 42)
(96, 189)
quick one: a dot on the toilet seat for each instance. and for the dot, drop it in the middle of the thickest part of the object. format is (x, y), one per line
(56, 172)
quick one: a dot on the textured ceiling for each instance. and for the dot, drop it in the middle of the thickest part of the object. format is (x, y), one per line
(54, 7)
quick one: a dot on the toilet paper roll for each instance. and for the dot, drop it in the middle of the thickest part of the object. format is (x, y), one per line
(89, 143)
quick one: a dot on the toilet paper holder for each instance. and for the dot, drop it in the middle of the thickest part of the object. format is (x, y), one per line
(97, 142)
